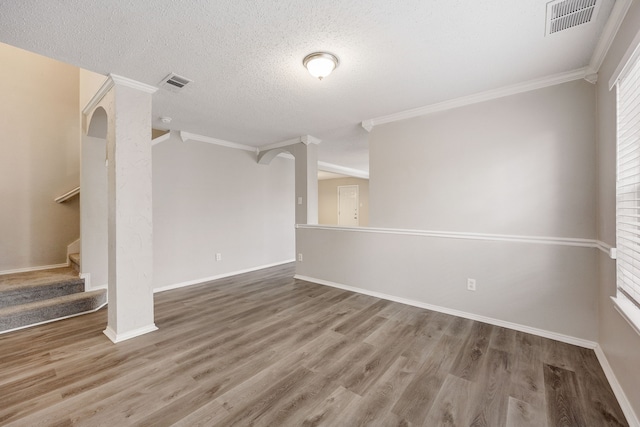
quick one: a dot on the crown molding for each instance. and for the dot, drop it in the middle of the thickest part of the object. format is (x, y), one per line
(161, 138)
(342, 170)
(308, 139)
(188, 136)
(514, 89)
(619, 11)
(305, 139)
(110, 81)
(107, 84)
(134, 84)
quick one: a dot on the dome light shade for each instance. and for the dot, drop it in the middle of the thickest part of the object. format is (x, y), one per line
(320, 64)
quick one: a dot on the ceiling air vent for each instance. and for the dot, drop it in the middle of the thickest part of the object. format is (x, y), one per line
(174, 82)
(565, 14)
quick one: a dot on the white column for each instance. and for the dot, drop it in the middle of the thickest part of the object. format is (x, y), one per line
(130, 308)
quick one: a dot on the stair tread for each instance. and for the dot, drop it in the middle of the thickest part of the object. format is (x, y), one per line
(10, 283)
(75, 257)
(7, 311)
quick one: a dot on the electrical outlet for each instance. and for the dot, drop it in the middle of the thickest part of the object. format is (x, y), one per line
(471, 284)
(218, 257)
(300, 257)
(299, 200)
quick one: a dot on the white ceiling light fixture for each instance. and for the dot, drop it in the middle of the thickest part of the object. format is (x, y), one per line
(320, 64)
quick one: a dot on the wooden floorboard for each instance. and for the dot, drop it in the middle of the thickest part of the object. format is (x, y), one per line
(266, 349)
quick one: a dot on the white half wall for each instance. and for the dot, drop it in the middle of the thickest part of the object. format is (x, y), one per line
(209, 199)
(544, 286)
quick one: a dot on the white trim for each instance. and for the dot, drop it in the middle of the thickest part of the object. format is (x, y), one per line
(73, 247)
(343, 170)
(161, 138)
(607, 249)
(515, 326)
(308, 139)
(42, 267)
(280, 144)
(66, 196)
(188, 136)
(53, 320)
(564, 241)
(110, 81)
(625, 405)
(133, 84)
(619, 11)
(97, 97)
(628, 311)
(116, 338)
(514, 89)
(304, 139)
(627, 61)
(87, 280)
(219, 276)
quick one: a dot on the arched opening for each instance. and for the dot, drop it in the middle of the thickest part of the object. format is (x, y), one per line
(94, 219)
(98, 124)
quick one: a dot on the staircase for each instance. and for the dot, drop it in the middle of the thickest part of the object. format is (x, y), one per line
(32, 298)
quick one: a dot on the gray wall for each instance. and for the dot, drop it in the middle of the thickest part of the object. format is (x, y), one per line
(548, 287)
(328, 199)
(209, 199)
(519, 165)
(619, 342)
(39, 159)
(523, 165)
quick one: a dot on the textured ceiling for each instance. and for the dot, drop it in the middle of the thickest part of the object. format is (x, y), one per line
(245, 57)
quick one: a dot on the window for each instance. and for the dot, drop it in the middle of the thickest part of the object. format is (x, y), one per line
(627, 299)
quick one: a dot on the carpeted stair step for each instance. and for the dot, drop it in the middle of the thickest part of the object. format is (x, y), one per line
(22, 288)
(19, 316)
(74, 260)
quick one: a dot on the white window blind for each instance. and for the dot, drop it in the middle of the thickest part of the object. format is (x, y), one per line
(628, 184)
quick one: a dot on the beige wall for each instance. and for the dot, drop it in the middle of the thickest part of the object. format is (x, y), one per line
(619, 341)
(328, 199)
(39, 159)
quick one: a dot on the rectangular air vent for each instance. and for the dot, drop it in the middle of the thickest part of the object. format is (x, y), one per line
(174, 82)
(565, 14)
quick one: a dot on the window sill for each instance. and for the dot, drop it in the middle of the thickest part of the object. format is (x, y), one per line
(628, 311)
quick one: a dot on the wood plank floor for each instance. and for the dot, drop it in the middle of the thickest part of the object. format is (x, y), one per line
(265, 349)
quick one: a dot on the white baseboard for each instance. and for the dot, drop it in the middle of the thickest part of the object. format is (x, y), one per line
(116, 338)
(502, 323)
(219, 276)
(53, 320)
(27, 269)
(629, 413)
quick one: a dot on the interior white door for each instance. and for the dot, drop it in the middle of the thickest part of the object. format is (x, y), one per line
(348, 205)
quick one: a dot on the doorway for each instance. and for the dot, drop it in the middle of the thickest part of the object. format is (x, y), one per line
(348, 205)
